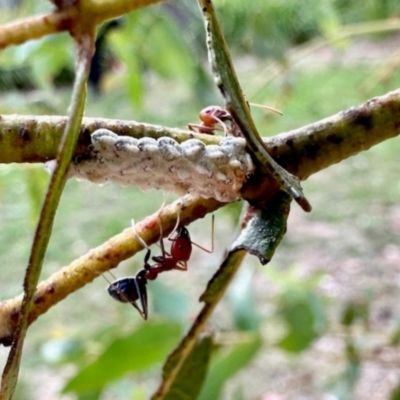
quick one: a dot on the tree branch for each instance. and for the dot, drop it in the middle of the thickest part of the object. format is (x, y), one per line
(66, 19)
(101, 259)
(302, 151)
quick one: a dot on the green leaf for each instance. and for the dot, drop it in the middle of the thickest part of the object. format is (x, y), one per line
(395, 395)
(169, 54)
(300, 327)
(304, 317)
(146, 346)
(124, 48)
(348, 379)
(148, 41)
(356, 309)
(189, 381)
(47, 57)
(227, 364)
(241, 298)
(89, 395)
(349, 314)
(62, 350)
(134, 83)
(395, 335)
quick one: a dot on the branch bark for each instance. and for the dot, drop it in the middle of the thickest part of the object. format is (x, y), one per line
(302, 151)
(66, 18)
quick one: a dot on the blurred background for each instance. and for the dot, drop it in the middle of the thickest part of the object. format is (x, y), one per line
(322, 320)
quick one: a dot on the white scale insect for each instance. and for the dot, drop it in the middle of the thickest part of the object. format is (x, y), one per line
(209, 171)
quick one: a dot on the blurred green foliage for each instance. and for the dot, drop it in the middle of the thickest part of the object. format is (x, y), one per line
(149, 344)
(168, 40)
(155, 67)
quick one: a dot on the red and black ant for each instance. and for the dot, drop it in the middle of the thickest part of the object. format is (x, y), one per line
(133, 289)
(217, 118)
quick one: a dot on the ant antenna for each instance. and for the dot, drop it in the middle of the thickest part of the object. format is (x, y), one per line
(267, 108)
(194, 243)
(212, 239)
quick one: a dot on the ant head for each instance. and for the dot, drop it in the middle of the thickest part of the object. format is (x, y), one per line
(210, 115)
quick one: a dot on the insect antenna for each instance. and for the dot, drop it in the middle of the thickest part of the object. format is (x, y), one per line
(212, 239)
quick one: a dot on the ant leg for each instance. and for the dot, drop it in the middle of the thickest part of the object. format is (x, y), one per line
(212, 239)
(181, 266)
(181, 248)
(146, 259)
(140, 284)
(151, 270)
(142, 242)
(208, 130)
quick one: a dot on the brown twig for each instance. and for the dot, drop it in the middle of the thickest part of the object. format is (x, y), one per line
(226, 272)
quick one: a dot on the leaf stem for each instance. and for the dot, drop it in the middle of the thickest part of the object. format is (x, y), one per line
(42, 235)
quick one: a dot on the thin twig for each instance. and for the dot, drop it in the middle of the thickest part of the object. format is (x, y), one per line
(227, 82)
(176, 359)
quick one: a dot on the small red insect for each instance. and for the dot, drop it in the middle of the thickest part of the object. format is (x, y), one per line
(217, 118)
(181, 250)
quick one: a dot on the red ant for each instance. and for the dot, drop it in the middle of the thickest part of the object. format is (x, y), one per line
(215, 117)
(132, 289)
